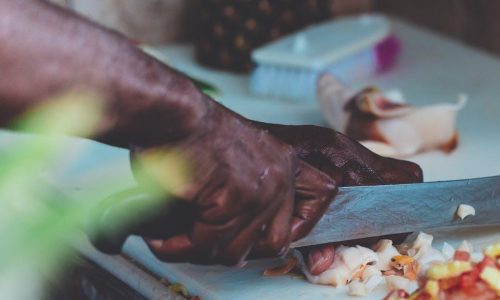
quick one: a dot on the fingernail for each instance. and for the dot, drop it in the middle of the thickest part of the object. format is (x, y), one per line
(241, 264)
(283, 250)
(155, 243)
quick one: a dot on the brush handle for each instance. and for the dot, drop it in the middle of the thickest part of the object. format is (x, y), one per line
(369, 62)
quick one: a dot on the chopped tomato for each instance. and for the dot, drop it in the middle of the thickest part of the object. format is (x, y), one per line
(447, 283)
(486, 262)
(397, 294)
(479, 291)
(469, 279)
(461, 255)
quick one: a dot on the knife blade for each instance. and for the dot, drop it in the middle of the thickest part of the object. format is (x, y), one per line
(370, 211)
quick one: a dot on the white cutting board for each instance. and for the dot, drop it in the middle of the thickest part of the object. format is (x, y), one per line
(432, 69)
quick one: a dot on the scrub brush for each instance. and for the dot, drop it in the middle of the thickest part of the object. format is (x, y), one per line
(351, 49)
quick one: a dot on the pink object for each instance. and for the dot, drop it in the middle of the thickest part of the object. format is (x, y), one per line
(387, 53)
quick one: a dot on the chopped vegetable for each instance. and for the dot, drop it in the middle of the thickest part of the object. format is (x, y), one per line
(447, 270)
(461, 255)
(357, 288)
(432, 288)
(179, 289)
(465, 210)
(493, 251)
(395, 282)
(406, 265)
(448, 251)
(492, 277)
(450, 274)
(465, 246)
(461, 279)
(286, 268)
(397, 295)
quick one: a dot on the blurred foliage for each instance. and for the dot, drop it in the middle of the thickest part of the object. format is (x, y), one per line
(37, 222)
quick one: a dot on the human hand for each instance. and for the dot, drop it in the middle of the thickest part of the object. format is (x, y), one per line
(330, 151)
(247, 192)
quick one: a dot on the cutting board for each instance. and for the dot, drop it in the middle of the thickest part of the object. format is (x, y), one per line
(431, 69)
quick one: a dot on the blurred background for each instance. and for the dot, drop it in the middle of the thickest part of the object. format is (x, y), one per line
(159, 21)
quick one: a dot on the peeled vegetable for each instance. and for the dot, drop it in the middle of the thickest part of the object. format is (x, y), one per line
(389, 127)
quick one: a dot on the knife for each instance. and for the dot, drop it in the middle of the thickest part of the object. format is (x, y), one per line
(370, 211)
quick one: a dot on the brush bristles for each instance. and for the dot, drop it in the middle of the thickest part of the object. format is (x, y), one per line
(278, 82)
(299, 84)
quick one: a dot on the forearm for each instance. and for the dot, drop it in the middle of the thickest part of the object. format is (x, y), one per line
(46, 51)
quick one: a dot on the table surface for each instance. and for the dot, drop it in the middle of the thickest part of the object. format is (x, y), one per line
(431, 69)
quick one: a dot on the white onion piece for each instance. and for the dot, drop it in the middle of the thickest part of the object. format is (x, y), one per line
(357, 288)
(370, 271)
(423, 252)
(385, 252)
(448, 251)
(423, 241)
(372, 282)
(428, 257)
(348, 262)
(395, 282)
(372, 277)
(356, 257)
(465, 246)
(476, 257)
(465, 210)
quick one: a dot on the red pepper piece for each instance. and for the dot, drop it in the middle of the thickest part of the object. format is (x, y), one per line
(461, 255)
(486, 262)
(469, 279)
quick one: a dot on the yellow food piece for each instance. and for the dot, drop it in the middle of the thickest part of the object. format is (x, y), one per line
(432, 288)
(448, 270)
(179, 289)
(493, 251)
(402, 259)
(492, 277)
(414, 295)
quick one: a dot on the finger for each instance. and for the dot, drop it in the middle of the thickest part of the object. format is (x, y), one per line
(319, 258)
(270, 219)
(134, 211)
(395, 171)
(356, 173)
(178, 248)
(199, 244)
(314, 191)
(278, 236)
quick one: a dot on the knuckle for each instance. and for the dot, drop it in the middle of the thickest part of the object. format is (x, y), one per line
(276, 172)
(278, 245)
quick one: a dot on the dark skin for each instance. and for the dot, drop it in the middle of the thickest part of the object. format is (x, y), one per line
(255, 187)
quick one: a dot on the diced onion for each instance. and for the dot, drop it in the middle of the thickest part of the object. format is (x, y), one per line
(357, 288)
(465, 210)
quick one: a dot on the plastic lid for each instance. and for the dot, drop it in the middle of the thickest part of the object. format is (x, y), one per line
(321, 45)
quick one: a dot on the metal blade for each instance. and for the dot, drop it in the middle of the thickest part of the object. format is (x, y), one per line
(368, 211)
